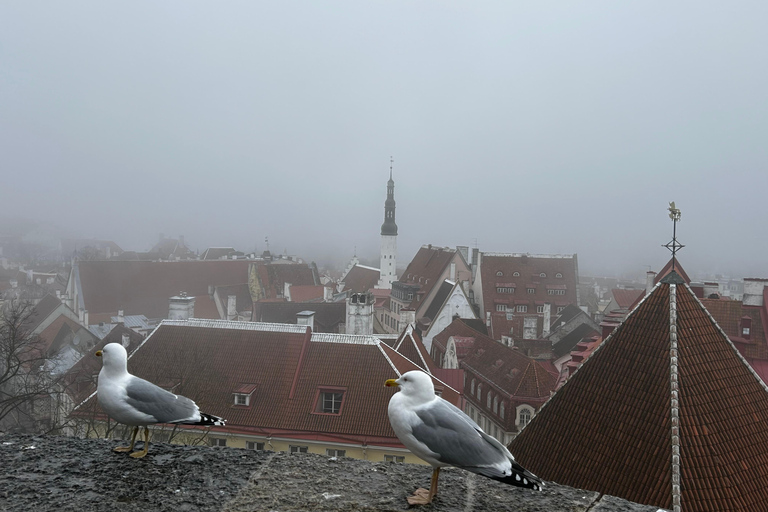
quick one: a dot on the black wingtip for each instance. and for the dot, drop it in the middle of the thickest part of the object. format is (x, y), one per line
(521, 477)
(207, 419)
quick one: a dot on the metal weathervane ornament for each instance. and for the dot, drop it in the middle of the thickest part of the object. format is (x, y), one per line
(674, 245)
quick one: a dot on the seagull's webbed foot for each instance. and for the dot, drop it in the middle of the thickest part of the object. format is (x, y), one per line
(142, 453)
(420, 497)
(133, 441)
(424, 496)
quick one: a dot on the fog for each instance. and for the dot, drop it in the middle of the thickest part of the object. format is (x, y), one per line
(516, 126)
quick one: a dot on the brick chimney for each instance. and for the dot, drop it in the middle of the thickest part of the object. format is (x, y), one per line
(650, 276)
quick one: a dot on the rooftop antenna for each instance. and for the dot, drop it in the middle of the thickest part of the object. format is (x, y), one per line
(674, 245)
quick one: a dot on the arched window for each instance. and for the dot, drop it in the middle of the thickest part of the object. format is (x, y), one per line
(516, 274)
(496, 405)
(488, 399)
(558, 275)
(473, 386)
(499, 273)
(524, 416)
(502, 410)
(543, 274)
(479, 390)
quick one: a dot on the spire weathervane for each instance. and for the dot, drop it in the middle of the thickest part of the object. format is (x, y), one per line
(674, 245)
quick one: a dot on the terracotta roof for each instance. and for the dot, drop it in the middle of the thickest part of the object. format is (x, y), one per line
(268, 280)
(411, 346)
(328, 315)
(459, 327)
(361, 278)
(667, 381)
(523, 272)
(305, 293)
(205, 307)
(243, 301)
(729, 313)
(516, 374)
(625, 298)
(209, 361)
(144, 287)
(666, 269)
(425, 269)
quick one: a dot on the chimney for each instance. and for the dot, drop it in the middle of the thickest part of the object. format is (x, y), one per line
(650, 276)
(407, 317)
(745, 327)
(360, 314)
(231, 307)
(328, 292)
(608, 327)
(711, 289)
(58, 294)
(85, 318)
(753, 291)
(306, 318)
(181, 307)
(126, 341)
(475, 261)
(453, 272)
(287, 291)
(547, 319)
(487, 318)
(120, 316)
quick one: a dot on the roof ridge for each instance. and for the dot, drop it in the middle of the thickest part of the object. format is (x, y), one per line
(674, 397)
(521, 254)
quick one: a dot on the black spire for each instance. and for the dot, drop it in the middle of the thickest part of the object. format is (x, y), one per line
(389, 227)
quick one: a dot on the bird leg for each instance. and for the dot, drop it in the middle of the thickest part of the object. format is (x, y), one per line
(138, 455)
(423, 496)
(133, 440)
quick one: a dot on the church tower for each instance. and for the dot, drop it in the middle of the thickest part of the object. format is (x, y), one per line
(388, 238)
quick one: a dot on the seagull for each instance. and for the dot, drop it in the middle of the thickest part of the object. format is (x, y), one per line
(441, 434)
(136, 402)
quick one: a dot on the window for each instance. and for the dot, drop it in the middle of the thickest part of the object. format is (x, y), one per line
(516, 274)
(335, 453)
(473, 386)
(499, 273)
(241, 399)
(558, 275)
(501, 307)
(531, 290)
(522, 308)
(394, 458)
(539, 309)
(524, 416)
(479, 390)
(502, 410)
(329, 401)
(251, 445)
(560, 309)
(496, 405)
(298, 449)
(488, 399)
(543, 274)
(218, 441)
(555, 292)
(504, 289)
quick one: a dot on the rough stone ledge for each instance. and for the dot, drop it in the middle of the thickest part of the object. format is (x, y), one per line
(69, 474)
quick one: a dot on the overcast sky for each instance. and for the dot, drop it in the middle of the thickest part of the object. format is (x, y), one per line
(536, 127)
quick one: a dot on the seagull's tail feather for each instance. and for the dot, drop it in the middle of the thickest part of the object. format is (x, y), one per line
(520, 477)
(208, 419)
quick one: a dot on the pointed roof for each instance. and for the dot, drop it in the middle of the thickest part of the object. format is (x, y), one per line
(665, 412)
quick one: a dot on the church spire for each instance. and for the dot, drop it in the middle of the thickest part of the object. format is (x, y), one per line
(389, 228)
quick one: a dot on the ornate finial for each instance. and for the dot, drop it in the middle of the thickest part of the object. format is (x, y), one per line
(674, 245)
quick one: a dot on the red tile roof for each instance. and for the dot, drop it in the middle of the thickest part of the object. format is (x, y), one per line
(411, 346)
(523, 272)
(458, 328)
(144, 287)
(361, 278)
(615, 424)
(268, 280)
(625, 298)
(209, 361)
(729, 313)
(305, 293)
(328, 315)
(425, 270)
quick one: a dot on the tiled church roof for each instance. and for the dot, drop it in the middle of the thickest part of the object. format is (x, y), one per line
(667, 396)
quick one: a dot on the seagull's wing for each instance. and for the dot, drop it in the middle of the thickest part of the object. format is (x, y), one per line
(458, 441)
(164, 406)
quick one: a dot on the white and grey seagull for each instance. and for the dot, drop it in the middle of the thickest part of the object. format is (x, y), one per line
(136, 402)
(441, 434)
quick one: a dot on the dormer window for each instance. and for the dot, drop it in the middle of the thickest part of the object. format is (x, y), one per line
(543, 274)
(516, 274)
(559, 275)
(329, 400)
(242, 395)
(499, 273)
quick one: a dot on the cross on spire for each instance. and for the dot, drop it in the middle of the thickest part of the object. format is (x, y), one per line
(674, 245)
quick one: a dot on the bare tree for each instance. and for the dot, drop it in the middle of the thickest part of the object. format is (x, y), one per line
(26, 382)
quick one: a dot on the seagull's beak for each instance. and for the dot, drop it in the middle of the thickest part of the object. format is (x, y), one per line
(391, 383)
(98, 353)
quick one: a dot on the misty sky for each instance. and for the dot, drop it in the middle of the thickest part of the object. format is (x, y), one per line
(536, 127)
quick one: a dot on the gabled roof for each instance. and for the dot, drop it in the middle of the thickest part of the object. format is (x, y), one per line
(410, 345)
(268, 280)
(625, 298)
(361, 279)
(439, 299)
(665, 397)
(516, 374)
(459, 327)
(243, 301)
(42, 311)
(144, 287)
(425, 269)
(668, 268)
(328, 315)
